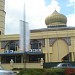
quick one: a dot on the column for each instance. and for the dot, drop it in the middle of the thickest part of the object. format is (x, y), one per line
(72, 55)
(0, 59)
(49, 57)
(21, 58)
(0, 45)
(46, 57)
(46, 52)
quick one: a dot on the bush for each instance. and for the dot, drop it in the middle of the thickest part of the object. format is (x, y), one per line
(54, 72)
(41, 72)
(31, 72)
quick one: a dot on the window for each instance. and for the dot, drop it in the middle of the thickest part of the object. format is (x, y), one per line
(6, 59)
(64, 65)
(12, 46)
(35, 44)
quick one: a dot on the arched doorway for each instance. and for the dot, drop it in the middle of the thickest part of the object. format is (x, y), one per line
(59, 50)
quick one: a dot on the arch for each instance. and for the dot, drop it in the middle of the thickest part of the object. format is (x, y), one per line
(59, 50)
(9, 44)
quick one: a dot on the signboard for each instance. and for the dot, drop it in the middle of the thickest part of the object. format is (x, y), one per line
(8, 51)
(34, 50)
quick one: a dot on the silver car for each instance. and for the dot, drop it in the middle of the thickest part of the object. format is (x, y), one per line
(6, 72)
(64, 65)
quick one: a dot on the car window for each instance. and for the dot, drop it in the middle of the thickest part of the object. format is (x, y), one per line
(69, 65)
(64, 65)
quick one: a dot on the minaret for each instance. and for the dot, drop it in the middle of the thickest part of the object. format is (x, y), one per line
(2, 17)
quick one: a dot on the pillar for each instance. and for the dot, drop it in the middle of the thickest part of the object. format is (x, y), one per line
(46, 57)
(72, 55)
(49, 57)
(2, 17)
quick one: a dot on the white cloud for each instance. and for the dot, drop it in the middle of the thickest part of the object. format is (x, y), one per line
(71, 20)
(71, 17)
(36, 12)
(71, 3)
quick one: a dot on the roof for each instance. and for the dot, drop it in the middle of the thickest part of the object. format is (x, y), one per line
(52, 29)
(21, 53)
(56, 19)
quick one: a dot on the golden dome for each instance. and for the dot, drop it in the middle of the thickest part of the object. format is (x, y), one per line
(56, 19)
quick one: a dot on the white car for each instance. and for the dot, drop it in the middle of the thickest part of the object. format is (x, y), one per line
(6, 72)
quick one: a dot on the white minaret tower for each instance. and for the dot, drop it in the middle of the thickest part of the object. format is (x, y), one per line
(2, 17)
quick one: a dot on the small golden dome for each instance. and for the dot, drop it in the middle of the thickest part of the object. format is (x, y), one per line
(56, 19)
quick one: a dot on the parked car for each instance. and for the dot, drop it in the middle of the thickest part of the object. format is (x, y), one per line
(6, 72)
(64, 65)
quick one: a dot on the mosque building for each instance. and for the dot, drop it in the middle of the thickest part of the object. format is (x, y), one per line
(56, 43)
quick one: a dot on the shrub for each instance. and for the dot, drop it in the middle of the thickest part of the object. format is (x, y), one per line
(31, 72)
(42, 72)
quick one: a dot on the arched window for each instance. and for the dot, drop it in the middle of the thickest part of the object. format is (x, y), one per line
(12, 45)
(35, 44)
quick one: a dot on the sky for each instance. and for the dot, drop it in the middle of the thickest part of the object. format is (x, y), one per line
(35, 13)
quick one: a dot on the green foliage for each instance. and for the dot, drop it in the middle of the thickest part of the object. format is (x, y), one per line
(41, 72)
(31, 72)
(53, 72)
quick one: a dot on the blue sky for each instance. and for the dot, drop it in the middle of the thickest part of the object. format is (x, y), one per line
(65, 9)
(36, 12)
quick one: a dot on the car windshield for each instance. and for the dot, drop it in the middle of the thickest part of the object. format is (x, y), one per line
(64, 65)
(58, 65)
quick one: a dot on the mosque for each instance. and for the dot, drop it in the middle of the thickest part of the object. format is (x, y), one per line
(56, 43)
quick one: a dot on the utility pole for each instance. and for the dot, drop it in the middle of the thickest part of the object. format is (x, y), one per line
(74, 18)
(26, 37)
(24, 40)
